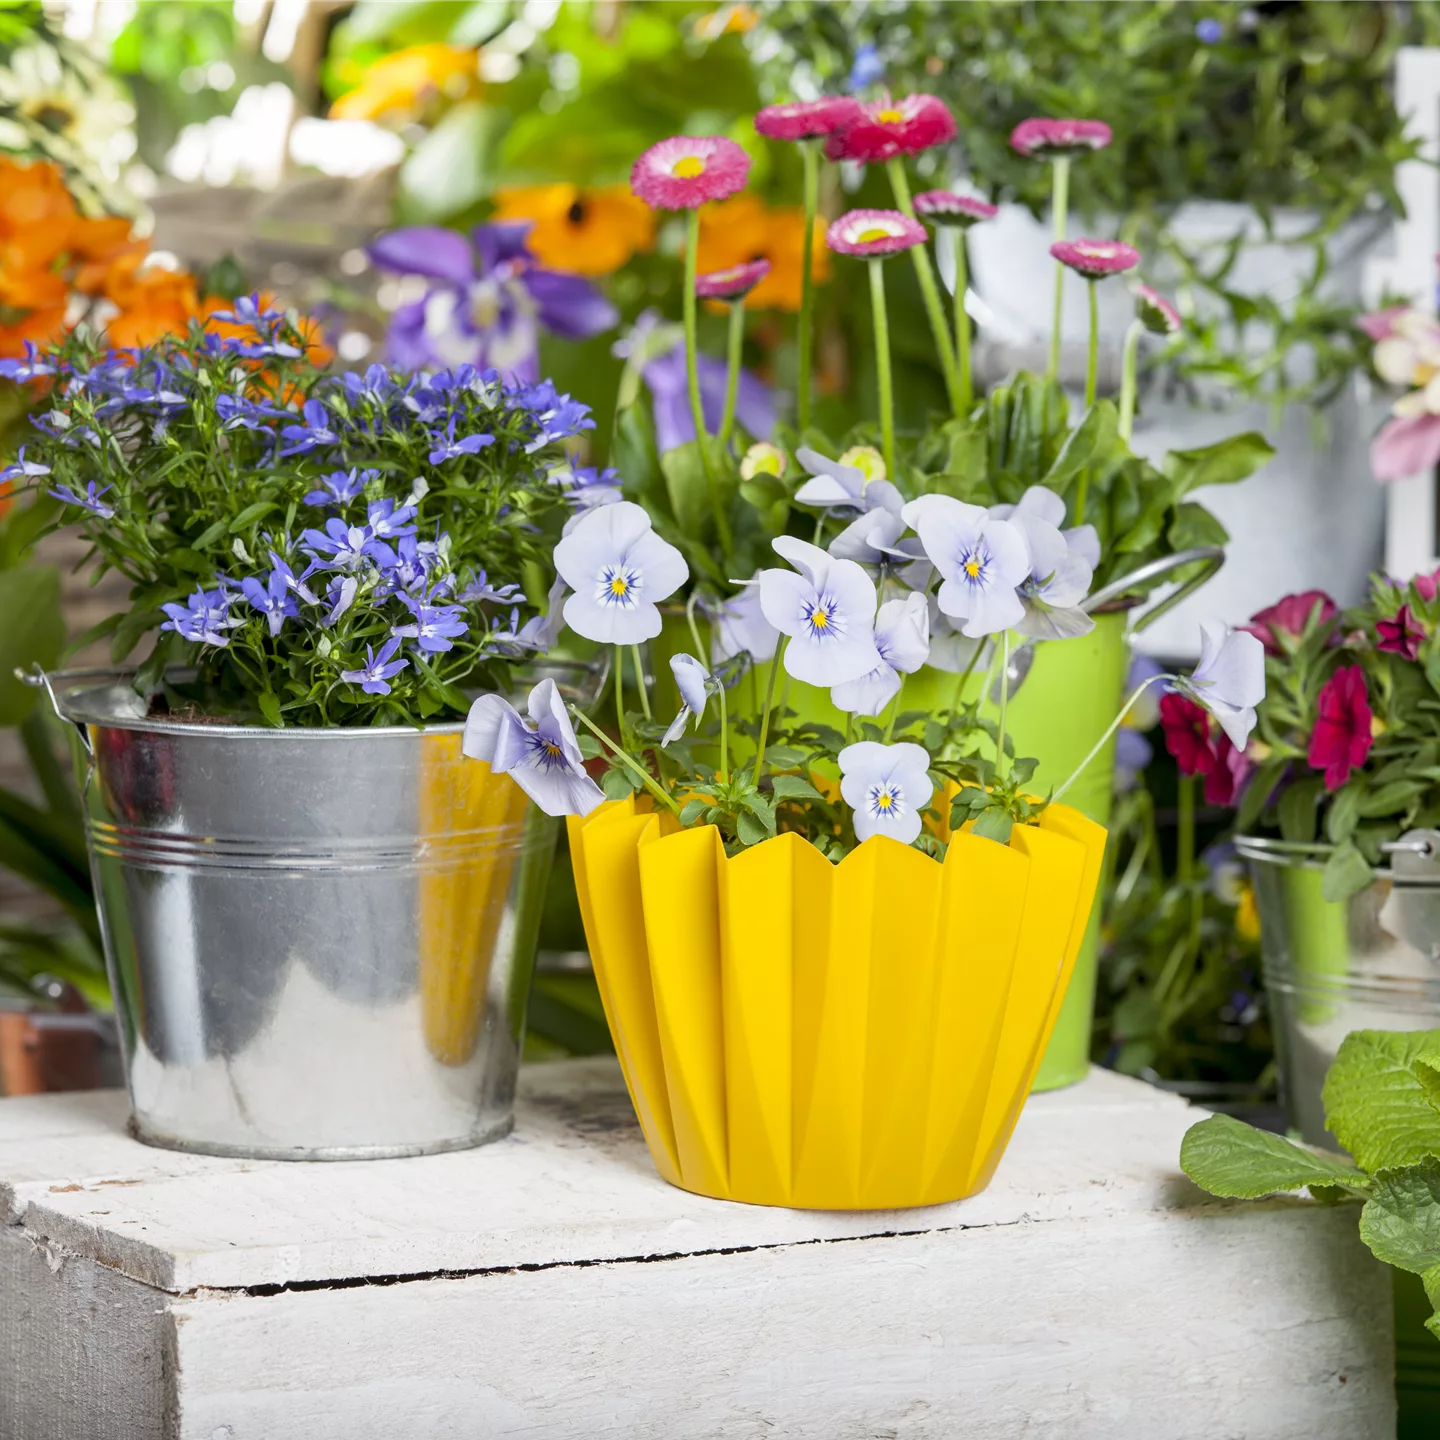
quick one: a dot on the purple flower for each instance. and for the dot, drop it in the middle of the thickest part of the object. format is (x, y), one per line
(298, 587)
(1209, 31)
(90, 500)
(236, 412)
(202, 618)
(375, 675)
(340, 487)
(346, 547)
(447, 447)
(558, 416)
(24, 469)
(315, 431)
(340, 596)
(388, 522)
(435, 626)
(489, 302)
(480, 589)
(273, 599)
(375, 388)
(32, 367)
(246, 311)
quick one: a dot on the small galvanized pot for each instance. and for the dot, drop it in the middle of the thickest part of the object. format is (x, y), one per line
(320, 941)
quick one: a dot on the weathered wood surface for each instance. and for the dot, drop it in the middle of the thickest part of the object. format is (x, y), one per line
(553, 1286)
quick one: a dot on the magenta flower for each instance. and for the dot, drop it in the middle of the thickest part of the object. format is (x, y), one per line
(686, 171)
(874, 232)
(1401, 635)
(1405, 445)
(1380, 324)
(1155, 312)
(1039, 138)
(1342, 736)
(1279, 626)
(1094, 259)
(945, 207)
(732, 283)
(806, 119)
(887, 128)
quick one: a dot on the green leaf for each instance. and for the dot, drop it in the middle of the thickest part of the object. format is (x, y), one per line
(1299, 811)
(269, 704)
(1375, 1105)
(1093, 438)
(995, 824)
(1346, 873)
(250, 514)
(450, 168)
(795, 787)
(750, 830)
(688, 487)
(32, 634)
(1401, 1219)
(1427, 1073)
(692, 810)
(1225, 1156)
(1232, 459)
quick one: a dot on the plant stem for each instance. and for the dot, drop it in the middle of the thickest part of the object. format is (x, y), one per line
(620, 691)
(765, 711)
(732, 368)
(690, 605)
(1000, 766)
(895, 713)
(724, 737)
(810, 157)
(692, 378)
(1114, 725)
(1185, 834)
(640, 682)
(962, 320)
(1059, 206)
(1127, 377)
(882, 367)
(965, 675)
(929, 290)
(1093, 360)
(645, 776)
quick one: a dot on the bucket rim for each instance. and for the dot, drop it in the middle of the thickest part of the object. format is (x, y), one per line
(1301, 855)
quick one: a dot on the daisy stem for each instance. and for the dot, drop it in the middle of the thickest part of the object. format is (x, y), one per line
(1105, 738)
(810, 157)
(1092, 363)
(649, 781)
(882, 365)
(765, 712)
(692, 377)
(640, 682)
(929, 290)
(1000, 766)
(1059, 206)
(962, 320)
(732, 368)
(1127, 377)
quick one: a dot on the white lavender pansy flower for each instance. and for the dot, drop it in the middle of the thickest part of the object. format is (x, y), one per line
(982, 562)
(541, 757)
(887, 786)
(1060, 574)
(872, 539)
(586, 499)
(902, 636)
(827, 610)
(693, 681)
(739, 627)
(951, 651)
(1229, 681)
(836, 486)
(618, 568)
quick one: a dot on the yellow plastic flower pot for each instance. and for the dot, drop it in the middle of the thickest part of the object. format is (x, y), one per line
(838, 1037)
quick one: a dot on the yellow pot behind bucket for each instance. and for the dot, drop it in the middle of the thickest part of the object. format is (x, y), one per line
(859, 1036)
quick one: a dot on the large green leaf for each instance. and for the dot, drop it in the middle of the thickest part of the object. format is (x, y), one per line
(1234, 458)
(450, 168)
(32, 634)
(1401, 1224)
(1093, 440)
(1230, 1158)
(1375, 1104)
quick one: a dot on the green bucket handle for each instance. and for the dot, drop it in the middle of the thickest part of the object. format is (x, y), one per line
(1209, 557)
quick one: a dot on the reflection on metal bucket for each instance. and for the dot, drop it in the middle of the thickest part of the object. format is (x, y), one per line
(320, 941)
(1371, 962)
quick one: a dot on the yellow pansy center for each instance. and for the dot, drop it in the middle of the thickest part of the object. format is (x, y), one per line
(552, 749)
(688, 167)
(972, 568)
(820, 619)
(619, 585)
(884, 800)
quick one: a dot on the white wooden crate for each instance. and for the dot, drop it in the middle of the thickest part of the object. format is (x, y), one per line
(552, 1285)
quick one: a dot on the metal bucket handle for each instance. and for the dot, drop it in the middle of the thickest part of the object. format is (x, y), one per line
(38, 679)
(1209, 557)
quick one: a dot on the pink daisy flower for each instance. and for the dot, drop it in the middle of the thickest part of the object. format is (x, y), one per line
(1044, 139)
(874, 232)
(887, 128)
(732, 282)
(806, 119)
(944, 207)
(1095, 259)
(686, 171)
(1155, 312)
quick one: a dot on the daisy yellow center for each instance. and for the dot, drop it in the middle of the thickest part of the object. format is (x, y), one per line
(890, 117)
(875, 232)
(688, 167)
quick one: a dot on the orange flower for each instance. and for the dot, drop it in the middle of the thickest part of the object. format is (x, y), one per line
(745, 228)
(97, 244)
(727, 20)
(153, 301)
(409, 83)
(589, 232)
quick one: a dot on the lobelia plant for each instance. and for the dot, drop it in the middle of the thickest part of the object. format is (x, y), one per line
(319, 549)
(1382, 1103)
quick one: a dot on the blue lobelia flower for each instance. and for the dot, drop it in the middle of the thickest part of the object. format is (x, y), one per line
(558, 416)
(388, 522)
(247, 310)
(542, 757)
(375, 387)
(480, 589)
(32, 367)
(447, 447)
(296, 586)
(317, 429)
(375, 675)
(340, 487)
(887, 786)
(91, 500)
(866, 69)
(435, 626)
(236, 412)
(272, 599)
(24, 469)
(345, 547)
(488, 302)
(340, 597)
(203, 618)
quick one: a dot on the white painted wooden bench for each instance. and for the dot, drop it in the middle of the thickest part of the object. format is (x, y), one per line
(551, 1285)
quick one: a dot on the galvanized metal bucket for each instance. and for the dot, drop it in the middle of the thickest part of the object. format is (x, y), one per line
(1371, 962)
(320, 941)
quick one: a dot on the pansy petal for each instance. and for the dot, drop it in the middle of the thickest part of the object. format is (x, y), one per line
(569, 305)
(662, 565)
(425, 250)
